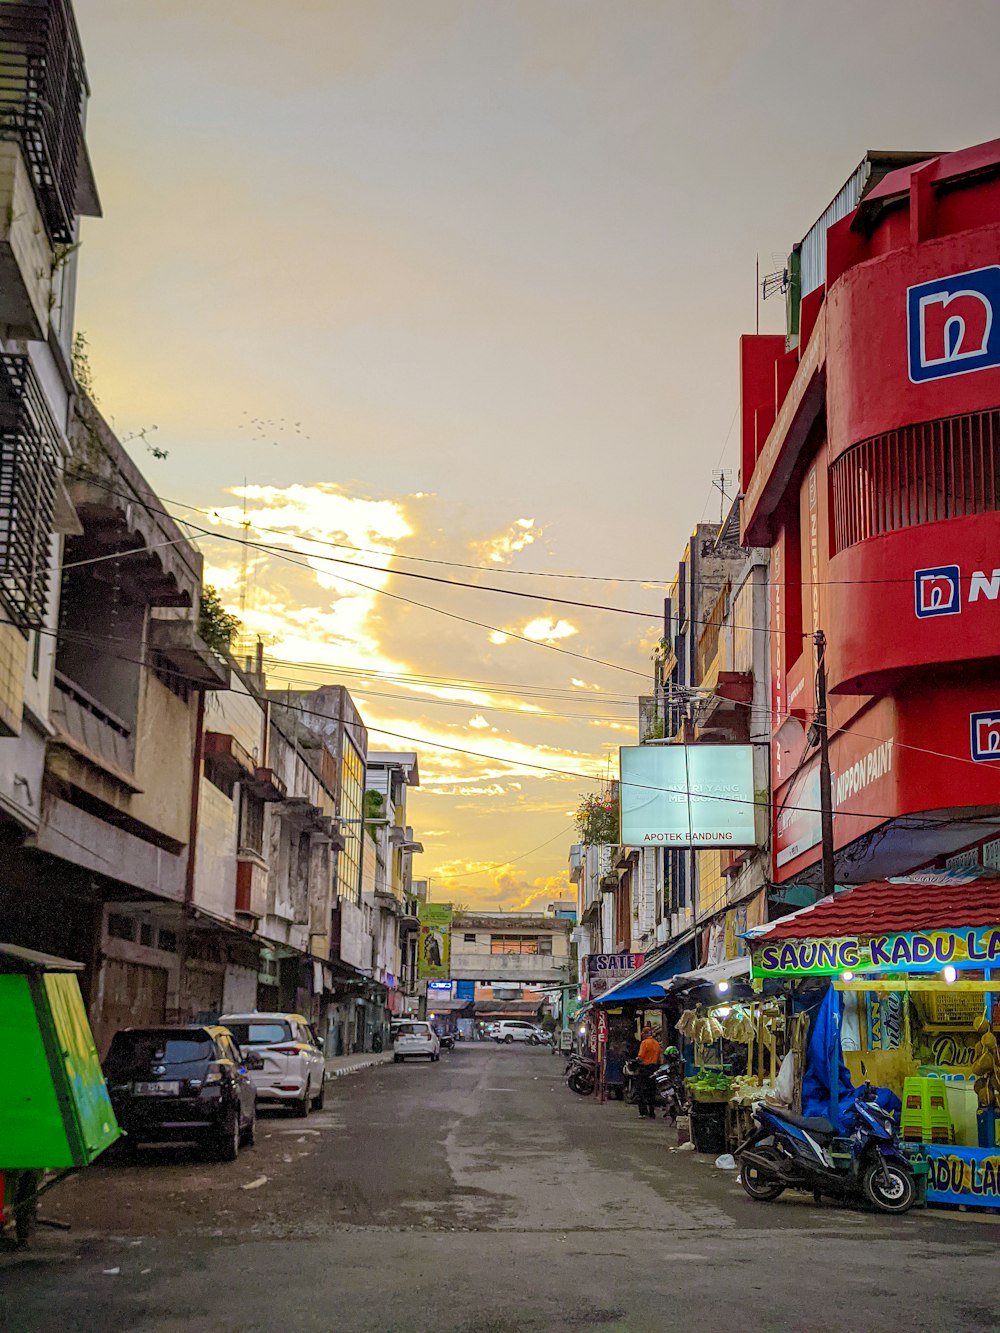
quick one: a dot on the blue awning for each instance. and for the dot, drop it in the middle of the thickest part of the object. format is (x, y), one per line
(642, 984)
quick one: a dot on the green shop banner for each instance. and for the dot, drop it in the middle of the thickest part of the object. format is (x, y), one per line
(925, 951)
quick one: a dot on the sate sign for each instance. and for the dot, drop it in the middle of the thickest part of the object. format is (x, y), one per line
(605, 970)
(923, 951)
(434, 954)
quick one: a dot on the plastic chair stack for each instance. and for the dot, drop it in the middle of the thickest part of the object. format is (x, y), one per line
(925, 1117)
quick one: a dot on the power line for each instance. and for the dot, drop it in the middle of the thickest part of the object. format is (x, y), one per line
(382, 592)
(922, 821)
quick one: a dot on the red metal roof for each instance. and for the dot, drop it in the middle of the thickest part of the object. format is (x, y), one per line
(884, 908)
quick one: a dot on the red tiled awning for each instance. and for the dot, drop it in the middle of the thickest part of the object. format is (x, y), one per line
(890, 908)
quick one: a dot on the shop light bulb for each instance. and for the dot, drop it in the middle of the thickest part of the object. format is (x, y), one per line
(847, 976)
(724, 1012)
(583, 1031)
(950, 974)
(722, 987)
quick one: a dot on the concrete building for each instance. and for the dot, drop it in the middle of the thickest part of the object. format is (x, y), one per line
(108, 869)
(389, 775)
(517, 948)
(871, 471)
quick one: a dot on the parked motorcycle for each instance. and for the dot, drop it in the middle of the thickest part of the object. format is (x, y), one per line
(581, 1075)
(671, 1092)
(788, 1151)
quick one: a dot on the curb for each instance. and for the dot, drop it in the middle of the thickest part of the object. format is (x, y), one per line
(344, 1071)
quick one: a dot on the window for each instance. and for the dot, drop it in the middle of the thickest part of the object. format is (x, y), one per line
(259, 1034)
(469, 939)
(520, 944)
(920, 474)
(251, 822)
(28, 453)
(351, 807)
(167, 940)
(146, 934)
(120, 927)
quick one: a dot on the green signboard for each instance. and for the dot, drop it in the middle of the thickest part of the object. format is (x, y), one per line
(923, 951)
(434, 959)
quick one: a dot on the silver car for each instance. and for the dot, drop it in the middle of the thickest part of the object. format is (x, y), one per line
(294, 1065)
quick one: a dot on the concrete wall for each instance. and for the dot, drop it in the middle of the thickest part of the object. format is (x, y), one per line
(164, 759)
(239, 993)
(215, 858)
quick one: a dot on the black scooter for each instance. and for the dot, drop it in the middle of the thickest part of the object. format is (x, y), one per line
(581, 1075)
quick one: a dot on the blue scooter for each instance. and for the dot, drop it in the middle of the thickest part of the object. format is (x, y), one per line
(788, 1151)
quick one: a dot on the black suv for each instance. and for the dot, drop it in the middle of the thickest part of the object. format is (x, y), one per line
(178, 1084)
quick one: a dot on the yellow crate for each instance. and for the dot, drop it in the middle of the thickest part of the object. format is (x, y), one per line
(957, 1008)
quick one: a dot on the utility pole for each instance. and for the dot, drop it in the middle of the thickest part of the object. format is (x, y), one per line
(825, 785)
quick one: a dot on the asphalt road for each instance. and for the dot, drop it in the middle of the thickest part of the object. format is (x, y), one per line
(478, 1195)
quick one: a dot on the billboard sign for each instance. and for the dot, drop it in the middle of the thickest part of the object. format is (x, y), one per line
(434, 956)
(687, 796)
(605, 970)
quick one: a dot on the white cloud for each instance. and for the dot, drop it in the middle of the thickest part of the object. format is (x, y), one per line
(544, 629)
(500, 550)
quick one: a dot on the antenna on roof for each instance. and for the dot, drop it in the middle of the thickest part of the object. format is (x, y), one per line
(720, 480)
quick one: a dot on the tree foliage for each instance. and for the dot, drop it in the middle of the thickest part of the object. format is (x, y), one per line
(216, 625)
(597, 818)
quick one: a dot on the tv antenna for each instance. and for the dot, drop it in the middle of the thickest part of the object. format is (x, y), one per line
(720, 480)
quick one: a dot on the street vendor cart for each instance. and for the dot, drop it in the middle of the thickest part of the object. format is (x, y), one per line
(55, 1113)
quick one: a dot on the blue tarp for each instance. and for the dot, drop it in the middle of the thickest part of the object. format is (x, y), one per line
(825, 1068)
(643, 985)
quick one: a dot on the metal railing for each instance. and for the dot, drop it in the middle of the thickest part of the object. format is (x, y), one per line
(42, 91)
(28, 461)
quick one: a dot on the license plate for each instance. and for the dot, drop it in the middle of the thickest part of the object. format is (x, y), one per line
(156, 1089)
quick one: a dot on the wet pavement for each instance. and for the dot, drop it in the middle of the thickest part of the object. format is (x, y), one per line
(478, 1194)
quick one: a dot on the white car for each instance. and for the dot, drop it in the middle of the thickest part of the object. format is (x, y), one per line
(415, 1038)
(514, 1029)
(294, 1065)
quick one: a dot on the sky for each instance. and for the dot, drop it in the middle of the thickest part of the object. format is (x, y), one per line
(462, 281)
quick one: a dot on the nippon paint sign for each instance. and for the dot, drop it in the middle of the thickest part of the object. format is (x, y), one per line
(687, 796)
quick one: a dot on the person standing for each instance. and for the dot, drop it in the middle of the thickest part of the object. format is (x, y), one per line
(649, 1057)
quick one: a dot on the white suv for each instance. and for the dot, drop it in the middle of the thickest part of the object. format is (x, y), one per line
(513, 1029)
(294, 1066)
(415, 1038)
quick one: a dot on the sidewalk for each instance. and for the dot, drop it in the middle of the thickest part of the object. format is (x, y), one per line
(339, 1065)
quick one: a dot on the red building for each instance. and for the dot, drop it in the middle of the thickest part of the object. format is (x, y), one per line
(871, 468)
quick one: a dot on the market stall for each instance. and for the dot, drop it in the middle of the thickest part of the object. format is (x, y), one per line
(619, 1014)
(912, 971)
(734, 1043)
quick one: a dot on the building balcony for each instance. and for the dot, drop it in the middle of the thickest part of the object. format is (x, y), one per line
(172, 635)
(251, 885)
(227, 757)
(726, 715)
(305, 817)
(29, 454)
(43, 90)
(25, 252)
(92, 731)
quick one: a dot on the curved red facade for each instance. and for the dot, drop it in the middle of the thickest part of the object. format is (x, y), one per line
(877, 488)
